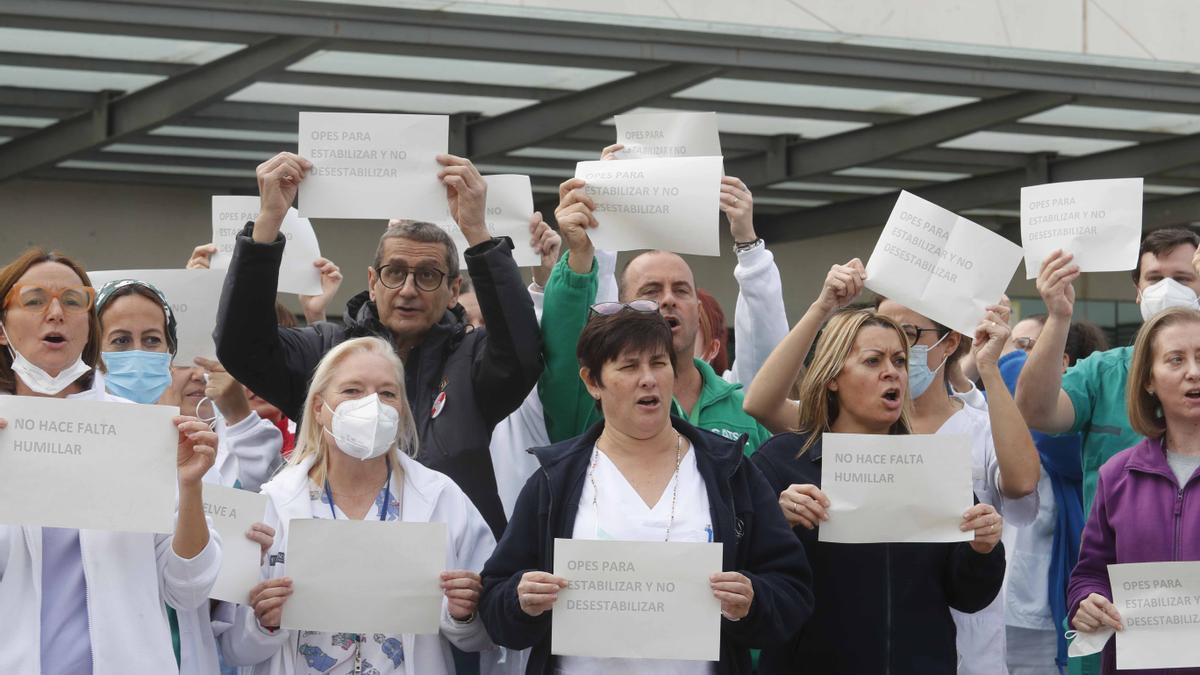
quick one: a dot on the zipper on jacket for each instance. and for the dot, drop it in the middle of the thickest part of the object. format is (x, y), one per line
(887, 579)
(1178, 552)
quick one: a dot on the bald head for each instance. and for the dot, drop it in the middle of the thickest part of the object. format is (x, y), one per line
(666, 278)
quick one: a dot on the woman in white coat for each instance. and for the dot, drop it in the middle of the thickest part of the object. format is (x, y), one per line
(86, 601)
(352, 462)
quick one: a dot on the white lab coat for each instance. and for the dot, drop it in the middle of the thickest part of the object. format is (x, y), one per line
(127, 620)
(427, 496)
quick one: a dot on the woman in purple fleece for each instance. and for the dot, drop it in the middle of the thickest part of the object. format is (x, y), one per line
(1147, 505)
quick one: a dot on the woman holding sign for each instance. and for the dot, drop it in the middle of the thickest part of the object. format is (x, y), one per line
(1147, 504)
(352, 461)
(86, 600)
(641, 475)
(880, 607)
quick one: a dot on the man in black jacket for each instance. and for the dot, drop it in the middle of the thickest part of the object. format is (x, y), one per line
(460, 381)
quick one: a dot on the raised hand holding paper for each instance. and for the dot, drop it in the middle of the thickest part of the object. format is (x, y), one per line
(509, 209)
(194, 296)
(296, 272)
(365, 576)
(1097, 221)
(940, 264)
(649, 600)
(371, 165)
(95, 465)
(669, 204)
(1160, 610)
(232, 512)
(898, 489)
(662, 135)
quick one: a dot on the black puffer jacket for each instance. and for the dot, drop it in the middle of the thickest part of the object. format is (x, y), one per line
(485, 373)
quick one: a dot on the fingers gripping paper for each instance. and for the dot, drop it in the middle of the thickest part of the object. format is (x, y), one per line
(648, 600)
(1159, 605)
(940, 264)
(365, 576)
(1098, 221)
(509, 210)
(899, 489)
(96, 465)
(296, 272)
(669, 204)
(194, 296)
(661, 135)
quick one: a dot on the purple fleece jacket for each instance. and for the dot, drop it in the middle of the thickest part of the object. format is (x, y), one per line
(1140, 514)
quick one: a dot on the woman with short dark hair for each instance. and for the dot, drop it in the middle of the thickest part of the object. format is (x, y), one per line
(643, 475)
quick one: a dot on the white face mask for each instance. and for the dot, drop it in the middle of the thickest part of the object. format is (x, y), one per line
(1165, 294)
(39, 380)
(364, 427)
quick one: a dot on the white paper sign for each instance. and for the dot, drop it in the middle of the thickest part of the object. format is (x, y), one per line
(898, 489)
(636, 599)
(232, 512)
(194, 296)
(940, 264)
(371, 165)
(662, 135)
(296, 272)
(1159, 605)
(669, 204)
(509, 210)
(365, 576)
(1098, 221)
(92, 465)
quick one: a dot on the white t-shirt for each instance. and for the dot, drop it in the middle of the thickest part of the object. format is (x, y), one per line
(981, 645)
(620, 514)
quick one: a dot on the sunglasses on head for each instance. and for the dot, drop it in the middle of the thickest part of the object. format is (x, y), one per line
(610, 308)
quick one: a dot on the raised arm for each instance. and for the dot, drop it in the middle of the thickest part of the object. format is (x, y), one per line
(1040, 396)
(766, 399)
(1016, 454)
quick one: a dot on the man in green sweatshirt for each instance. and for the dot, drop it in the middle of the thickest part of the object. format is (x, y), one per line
(702, 397)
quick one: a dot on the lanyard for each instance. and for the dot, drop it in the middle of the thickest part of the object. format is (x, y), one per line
(387, 495)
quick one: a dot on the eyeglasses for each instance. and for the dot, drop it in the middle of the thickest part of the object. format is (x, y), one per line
(1025, 344)
(395, 275)
(73, 299)
(913, 334)
(610, 308)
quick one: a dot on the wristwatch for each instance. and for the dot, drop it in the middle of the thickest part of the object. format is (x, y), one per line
(743, 246)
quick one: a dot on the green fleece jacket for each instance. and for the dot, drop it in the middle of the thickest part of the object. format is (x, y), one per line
(570, 410)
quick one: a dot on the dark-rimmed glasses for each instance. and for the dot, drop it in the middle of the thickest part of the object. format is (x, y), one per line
(72, 299)
(395, 275)
(610, 308)
(913, 334)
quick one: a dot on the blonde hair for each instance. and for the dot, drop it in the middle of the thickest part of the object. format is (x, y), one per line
(1143, 407)
(819, 405)
(311, 439)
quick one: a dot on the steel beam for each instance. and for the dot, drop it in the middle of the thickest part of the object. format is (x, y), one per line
(114, 118)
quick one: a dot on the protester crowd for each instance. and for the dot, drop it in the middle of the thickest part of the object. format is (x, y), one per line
(604, 404)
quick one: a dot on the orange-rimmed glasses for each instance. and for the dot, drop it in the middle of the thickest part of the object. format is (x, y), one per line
(72, 299)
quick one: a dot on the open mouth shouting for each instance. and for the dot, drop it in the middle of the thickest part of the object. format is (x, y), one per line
(54, 339)
(649, 403)
(891, 398)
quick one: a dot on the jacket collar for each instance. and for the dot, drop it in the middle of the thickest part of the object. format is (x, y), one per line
(422, 488)
(1150, 457)
(362, 318)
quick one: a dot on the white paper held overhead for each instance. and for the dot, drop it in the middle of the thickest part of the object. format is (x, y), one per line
(1097, 221)
(296, 272)
(663, 135)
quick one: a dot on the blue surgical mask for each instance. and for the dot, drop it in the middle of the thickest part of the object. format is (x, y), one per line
(139, 376)
(919, 374)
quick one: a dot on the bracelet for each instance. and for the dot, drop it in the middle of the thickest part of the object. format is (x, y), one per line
(743, 246)
(464, 622)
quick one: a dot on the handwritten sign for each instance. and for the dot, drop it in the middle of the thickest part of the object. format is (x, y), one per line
(940, 264)
(296, 272)
(669, 204)
(1159, 605)
(370, 165)
(365, 576)
(1098, 221)
(662, 135)
(232, 512)
(509, 210)
(95, 465)
(901, 489)
(649, 600)
(194, 296)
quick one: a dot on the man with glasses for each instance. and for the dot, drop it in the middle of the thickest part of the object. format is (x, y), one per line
(461, 381)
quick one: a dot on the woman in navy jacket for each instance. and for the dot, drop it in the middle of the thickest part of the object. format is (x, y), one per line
(627, 362)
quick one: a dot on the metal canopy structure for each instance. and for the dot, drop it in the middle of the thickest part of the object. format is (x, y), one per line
(198, 92)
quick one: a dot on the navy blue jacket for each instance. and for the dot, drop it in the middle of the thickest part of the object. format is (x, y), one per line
(881, 608)
(746, 520)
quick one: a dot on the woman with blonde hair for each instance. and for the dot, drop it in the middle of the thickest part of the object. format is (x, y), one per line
(1147, 504)
(879, 607)
(353, 460)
